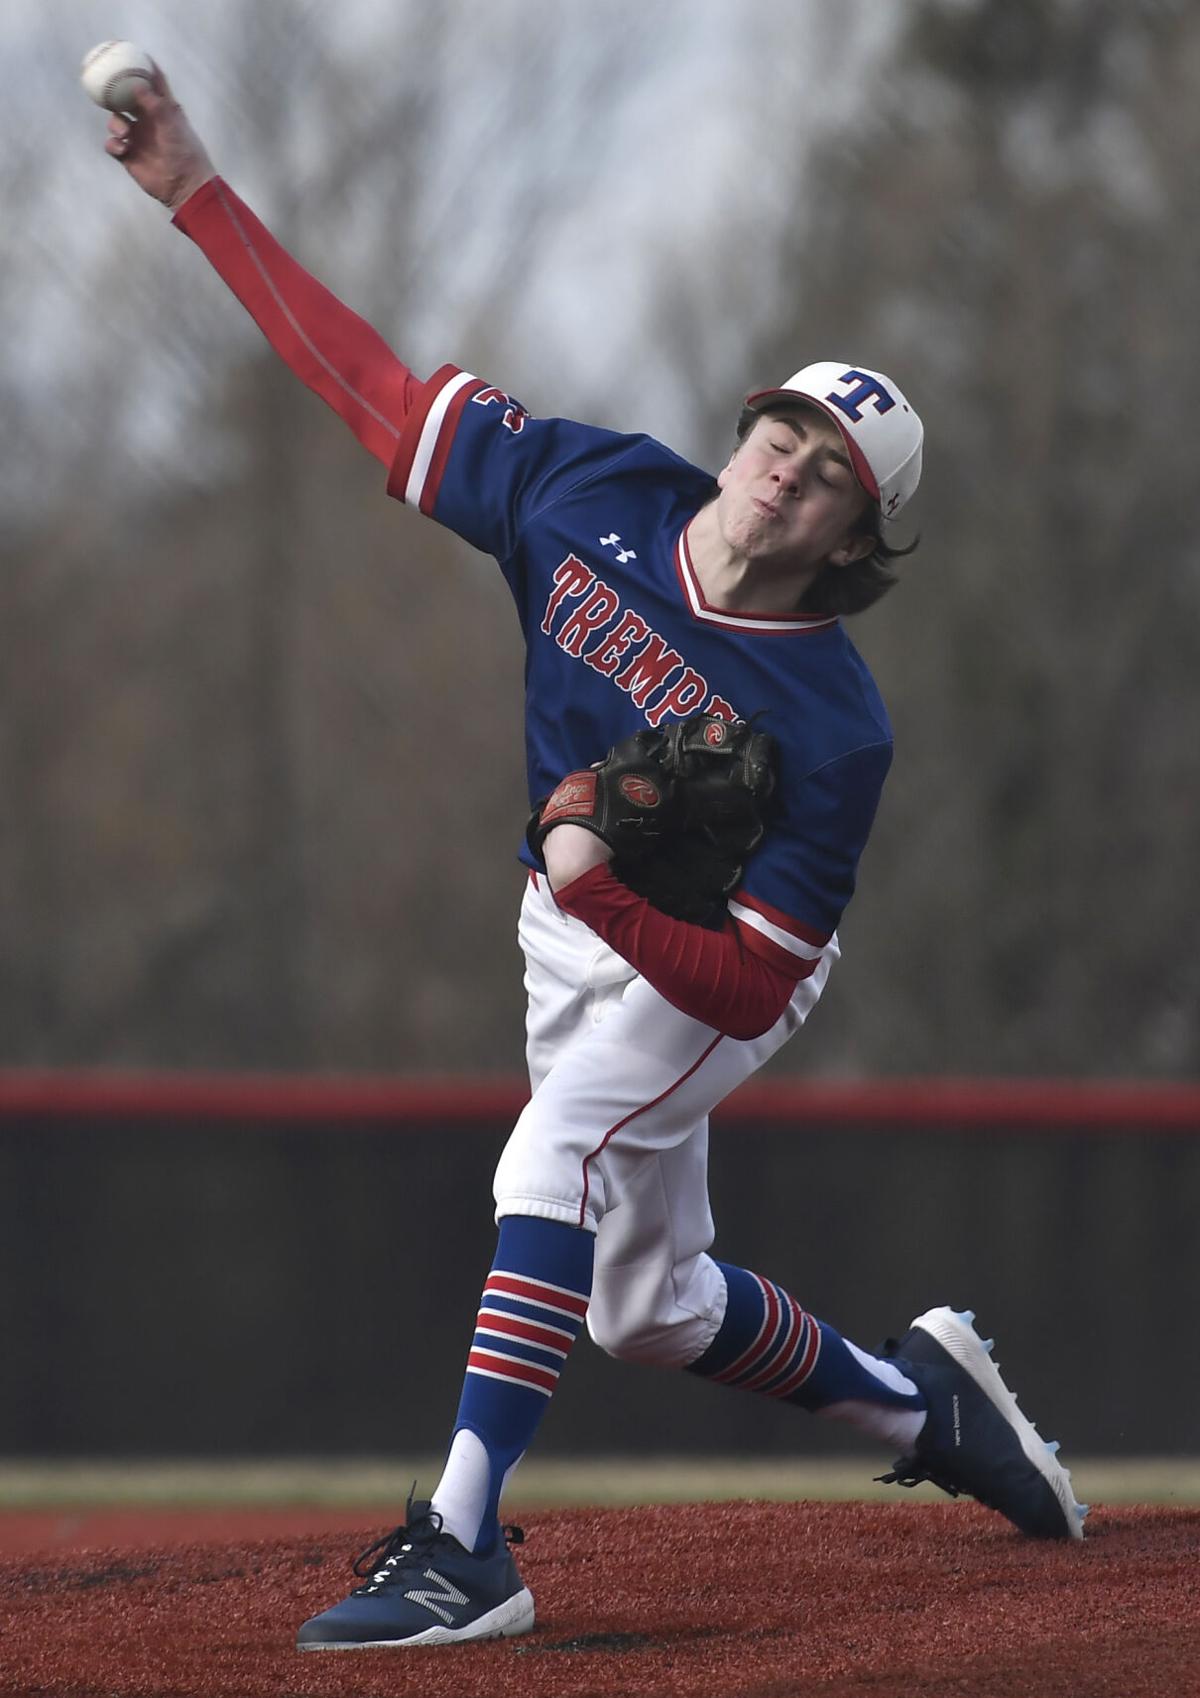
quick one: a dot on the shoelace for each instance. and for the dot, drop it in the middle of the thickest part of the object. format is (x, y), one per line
(910, 1472)
(386, 1561)
(395, 1550)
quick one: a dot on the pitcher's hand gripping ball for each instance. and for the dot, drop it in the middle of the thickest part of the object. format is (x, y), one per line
(114, 73)
(681, 809)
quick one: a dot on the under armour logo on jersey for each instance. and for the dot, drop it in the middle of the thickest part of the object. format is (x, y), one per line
(436, 1601)
(867, 389)
(614, 541)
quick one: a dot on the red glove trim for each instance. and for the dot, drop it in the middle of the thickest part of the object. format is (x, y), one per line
(574, 795)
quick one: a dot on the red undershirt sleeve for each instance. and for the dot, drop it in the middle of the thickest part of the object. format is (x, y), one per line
(331, 349)
(708, 975)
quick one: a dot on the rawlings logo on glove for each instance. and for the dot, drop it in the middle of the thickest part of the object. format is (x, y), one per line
(626, 798)
(682, 810)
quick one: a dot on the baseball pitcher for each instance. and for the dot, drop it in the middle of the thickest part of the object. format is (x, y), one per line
(706, 751)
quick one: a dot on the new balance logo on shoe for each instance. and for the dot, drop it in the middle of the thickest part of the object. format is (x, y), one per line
(408, 1601)
(434, 1601)
(957, 1424)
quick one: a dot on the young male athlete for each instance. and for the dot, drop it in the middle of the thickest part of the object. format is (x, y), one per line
(647, 592)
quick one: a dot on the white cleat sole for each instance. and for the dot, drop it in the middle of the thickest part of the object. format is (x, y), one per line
(954, 1332)
(513, 1616)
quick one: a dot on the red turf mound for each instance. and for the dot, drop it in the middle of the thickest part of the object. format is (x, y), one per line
(719, 1601)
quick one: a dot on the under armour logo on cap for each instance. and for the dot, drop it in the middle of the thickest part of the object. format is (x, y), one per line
(882, 432)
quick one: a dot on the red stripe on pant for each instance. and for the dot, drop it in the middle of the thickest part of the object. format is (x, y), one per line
(633, 1114)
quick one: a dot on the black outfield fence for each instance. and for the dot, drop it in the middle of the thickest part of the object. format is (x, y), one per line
(195, 1265)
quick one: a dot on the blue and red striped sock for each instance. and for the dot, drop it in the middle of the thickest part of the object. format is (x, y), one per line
(534, 1303)
(768, 1343)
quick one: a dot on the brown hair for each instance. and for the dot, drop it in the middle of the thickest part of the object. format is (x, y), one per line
(841, 590)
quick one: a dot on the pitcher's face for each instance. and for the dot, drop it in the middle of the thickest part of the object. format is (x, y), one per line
(789, 492)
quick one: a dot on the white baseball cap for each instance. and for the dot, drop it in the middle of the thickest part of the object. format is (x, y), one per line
(882, 433)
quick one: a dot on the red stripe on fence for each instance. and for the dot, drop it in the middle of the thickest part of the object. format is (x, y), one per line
(490, 1104)
(260, 1097)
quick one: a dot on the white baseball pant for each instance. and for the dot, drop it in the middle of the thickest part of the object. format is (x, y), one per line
(615, 1136)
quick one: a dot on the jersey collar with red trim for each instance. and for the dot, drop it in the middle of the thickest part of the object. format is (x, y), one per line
(730, 618)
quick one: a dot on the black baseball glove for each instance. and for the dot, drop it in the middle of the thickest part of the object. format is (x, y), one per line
(682, 810)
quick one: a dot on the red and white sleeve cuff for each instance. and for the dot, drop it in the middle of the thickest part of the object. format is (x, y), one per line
(428, 436)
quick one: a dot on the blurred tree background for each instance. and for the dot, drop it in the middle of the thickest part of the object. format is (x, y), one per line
(260, 727)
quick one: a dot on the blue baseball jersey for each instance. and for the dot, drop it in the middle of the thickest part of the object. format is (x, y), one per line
(589, 527)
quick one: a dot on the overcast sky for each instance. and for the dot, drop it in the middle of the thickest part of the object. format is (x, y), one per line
(702, 111)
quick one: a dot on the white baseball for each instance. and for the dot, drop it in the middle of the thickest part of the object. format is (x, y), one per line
(114, 72)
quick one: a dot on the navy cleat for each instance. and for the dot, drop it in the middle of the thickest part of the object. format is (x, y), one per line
(421, 1587)
(975, 1438)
